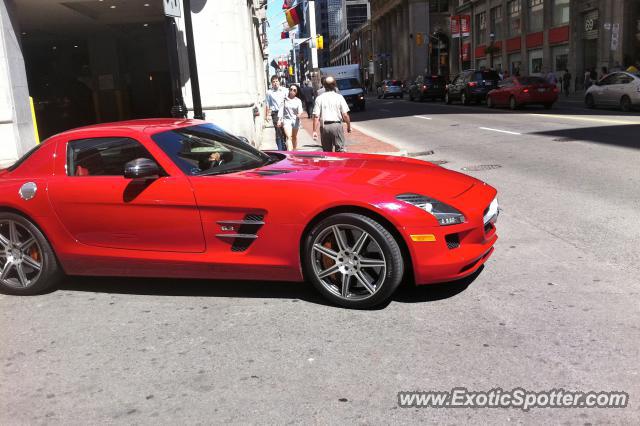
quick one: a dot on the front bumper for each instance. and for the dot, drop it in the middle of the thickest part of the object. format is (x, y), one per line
(456, 251)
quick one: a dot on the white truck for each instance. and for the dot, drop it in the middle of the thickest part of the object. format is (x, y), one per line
(349, 84)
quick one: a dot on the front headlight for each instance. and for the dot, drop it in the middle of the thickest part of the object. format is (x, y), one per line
(444, 213)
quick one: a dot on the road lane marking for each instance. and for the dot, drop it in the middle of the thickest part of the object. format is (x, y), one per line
(595, 120)
(498, 130)
(424, 118)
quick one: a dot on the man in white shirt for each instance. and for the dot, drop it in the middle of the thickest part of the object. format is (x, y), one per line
(329, 112)
(275, 100)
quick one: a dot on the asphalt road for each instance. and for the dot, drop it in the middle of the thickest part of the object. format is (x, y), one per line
(557, 306)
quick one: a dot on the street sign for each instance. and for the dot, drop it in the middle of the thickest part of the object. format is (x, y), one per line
(172, 8)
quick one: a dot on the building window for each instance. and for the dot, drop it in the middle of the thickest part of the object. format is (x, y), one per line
(438, 6)
(560, 12)
(496, 22)
(513, 7)
(560, 57)
(536, 15)
(481, 28)
(535, 62)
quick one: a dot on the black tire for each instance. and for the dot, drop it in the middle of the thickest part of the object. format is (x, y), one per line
(490, 103)
(625, 104)
(402, 96)
(411, 98)
(40, 250)
(464, 99)
(386, 242)
(589, 102)
(548, 106)
(512, 103)
(447, 99)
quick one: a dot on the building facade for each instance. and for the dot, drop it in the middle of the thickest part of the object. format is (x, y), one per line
(410, 37)
(91, 62)
(534, 37)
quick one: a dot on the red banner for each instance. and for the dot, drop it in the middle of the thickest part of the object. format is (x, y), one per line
(465, 25)
(466, 51)
(455, 26)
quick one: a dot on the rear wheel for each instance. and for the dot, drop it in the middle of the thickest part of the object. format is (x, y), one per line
(353, 260)
(625, 103)
(463, 98)
(512, 103)
(447, 99)
(589, 101)
(28, 263)
(490, 102)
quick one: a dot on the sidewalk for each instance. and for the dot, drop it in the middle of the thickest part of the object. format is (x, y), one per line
(356, 141)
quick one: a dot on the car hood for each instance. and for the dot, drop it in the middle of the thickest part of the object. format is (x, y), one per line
(357, 174)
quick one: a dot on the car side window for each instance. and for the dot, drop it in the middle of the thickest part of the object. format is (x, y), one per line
(102, 156)
(505, 83)
(610, 79)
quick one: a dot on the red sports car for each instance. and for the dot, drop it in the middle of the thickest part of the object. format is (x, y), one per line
(518, 91)
(184, 198)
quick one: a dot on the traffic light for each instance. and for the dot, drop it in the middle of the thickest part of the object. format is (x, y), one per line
(319, 42)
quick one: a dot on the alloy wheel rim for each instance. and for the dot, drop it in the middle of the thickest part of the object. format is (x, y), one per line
(20, 255)
(348, 262)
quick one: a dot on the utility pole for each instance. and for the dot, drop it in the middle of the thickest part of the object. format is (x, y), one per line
(193, 64)
(312, 30)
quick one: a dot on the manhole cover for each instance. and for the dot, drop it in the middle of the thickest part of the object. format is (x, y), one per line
(439, 162)
(481, 167)
(564, 140)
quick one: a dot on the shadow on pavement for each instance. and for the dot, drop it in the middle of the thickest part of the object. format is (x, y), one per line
(621, 135)
(249, 289)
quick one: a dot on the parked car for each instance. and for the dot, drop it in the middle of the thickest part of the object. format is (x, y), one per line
(471, 85)
(390, 88)
(616, 89)
(427, 86)
(184, 198)
(518, 91)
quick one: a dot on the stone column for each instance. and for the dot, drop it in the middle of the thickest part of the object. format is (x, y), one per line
(16, 125)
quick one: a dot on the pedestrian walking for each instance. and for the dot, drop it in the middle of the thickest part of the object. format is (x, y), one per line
(307, 97)
(329, 111)
(587, 79)
(275, 98)
(566, 82)
(289, 117)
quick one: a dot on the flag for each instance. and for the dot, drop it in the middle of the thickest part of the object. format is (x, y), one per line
(287, 4)
(294, 15)
(284, 34)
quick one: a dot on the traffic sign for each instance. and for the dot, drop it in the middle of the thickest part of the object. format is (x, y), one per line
(171, 8)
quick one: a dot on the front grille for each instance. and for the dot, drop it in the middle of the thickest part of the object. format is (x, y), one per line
(453, 241)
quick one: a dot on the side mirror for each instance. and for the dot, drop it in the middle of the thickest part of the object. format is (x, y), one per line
(141, 168)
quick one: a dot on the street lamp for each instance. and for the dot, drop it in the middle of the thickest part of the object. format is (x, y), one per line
(492, 38)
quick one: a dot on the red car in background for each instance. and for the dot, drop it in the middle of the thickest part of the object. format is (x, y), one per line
(184, 198)
(518, 91)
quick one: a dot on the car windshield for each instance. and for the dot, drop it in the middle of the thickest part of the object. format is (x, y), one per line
(486, 75)
(526, 81)
(208, 150)
(348, 83)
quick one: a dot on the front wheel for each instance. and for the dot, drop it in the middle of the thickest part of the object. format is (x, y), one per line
(589, 101)
(490, 102)
(353, 260)
(625, 103)
(512, 103)
(28, 263)
(463, 99)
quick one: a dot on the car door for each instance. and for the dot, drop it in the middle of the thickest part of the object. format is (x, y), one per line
(98, 206)
(454, 87)
(501, 95)
(625, 86)
(604, 91)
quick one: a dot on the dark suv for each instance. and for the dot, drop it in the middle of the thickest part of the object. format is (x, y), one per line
(471, 85)
(427, 87)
